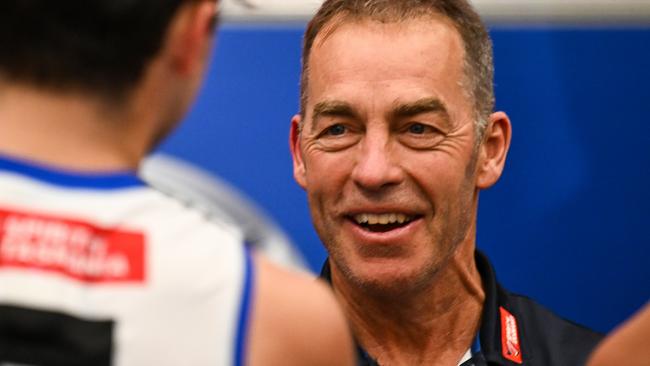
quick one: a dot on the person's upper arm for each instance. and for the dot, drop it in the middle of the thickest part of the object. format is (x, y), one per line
(296, 321)
(627, 345)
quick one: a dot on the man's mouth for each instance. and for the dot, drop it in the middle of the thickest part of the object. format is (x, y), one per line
(382, 222)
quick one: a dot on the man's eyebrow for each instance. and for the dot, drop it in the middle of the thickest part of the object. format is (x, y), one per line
(333, 108)
(424, 105)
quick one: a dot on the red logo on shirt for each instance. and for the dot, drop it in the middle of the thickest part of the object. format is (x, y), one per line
(510, 337)
(79, 250)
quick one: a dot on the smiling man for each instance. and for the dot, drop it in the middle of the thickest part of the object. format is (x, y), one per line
(395, 140)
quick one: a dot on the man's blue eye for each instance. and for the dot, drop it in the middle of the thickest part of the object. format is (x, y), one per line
(417, 128)
(336, 130)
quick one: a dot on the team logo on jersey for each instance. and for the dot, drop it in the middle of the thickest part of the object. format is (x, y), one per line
(510, 346)
(79, 250)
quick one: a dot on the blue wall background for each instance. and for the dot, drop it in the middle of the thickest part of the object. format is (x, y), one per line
(568, 222)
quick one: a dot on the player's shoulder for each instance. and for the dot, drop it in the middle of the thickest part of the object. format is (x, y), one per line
(627, 344)
(168, 213)
(297, 318)
(186, 241)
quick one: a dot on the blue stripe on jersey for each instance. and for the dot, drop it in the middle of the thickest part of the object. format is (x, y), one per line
(71, 179)
(244, 310)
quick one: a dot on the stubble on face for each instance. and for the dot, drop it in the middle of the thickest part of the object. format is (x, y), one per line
(458, 227)
(449, 221)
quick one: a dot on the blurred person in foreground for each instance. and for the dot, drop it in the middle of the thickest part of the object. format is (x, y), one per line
(627, 345)
(395, 139)
(96, 268)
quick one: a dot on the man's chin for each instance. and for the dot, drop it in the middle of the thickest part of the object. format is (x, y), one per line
(387, 280)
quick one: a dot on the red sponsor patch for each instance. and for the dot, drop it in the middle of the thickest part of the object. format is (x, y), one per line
(77, 249)
(510, 337)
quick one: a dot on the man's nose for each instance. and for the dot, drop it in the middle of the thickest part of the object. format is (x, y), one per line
(376, 165)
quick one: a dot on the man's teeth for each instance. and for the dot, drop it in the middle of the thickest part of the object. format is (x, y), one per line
(383, 219)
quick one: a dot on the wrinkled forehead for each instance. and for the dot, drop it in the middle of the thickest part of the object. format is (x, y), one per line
(354, 58)
(392, 17)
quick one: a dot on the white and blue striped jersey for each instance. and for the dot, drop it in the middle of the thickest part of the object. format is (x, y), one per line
(101, 269)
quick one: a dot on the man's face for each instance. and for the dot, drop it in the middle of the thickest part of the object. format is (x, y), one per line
(386, 152)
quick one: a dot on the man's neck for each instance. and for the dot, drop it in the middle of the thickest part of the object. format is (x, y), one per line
(71, 131)
(435, 326)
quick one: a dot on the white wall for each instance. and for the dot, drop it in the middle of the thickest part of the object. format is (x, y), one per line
(499, 11)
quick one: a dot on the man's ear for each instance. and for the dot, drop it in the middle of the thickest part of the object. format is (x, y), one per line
(190, 36)
(296, 152)
(493, 150)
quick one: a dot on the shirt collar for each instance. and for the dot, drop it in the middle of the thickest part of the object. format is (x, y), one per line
(489, 340)
(70, 179)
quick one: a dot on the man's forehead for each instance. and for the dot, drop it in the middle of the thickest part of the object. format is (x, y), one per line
(411, 61)
(387, 49)
(345, 23)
